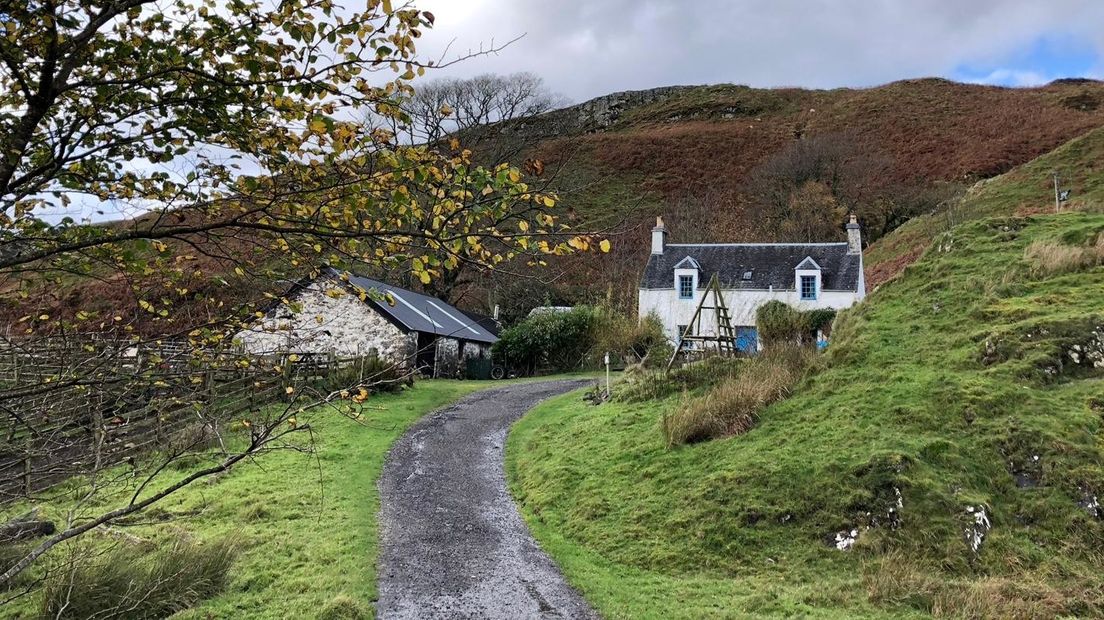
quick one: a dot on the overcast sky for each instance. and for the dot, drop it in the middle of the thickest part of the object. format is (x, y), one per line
(586, 48)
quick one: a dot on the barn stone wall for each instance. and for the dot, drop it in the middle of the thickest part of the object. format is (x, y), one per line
(328, 322)
(472, 350)
(451, 354)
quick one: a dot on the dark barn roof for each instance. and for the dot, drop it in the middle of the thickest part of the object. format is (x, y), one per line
(422, 313)
(770, 264)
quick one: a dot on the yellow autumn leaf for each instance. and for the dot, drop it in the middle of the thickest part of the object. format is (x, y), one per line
(318, 125)
(604, 245)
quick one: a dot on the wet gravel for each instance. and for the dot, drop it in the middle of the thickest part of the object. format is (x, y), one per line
(453, 542)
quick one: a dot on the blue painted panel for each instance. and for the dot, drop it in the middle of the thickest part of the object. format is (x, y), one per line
(747, 339)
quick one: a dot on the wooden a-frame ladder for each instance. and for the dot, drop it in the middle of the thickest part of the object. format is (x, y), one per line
(724, 336)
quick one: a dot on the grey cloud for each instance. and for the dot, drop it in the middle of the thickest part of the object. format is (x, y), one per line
(587, 48)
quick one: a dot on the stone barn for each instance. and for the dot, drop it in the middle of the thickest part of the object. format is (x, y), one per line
(332, 315)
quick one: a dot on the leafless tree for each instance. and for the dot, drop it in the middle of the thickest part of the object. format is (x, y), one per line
(449, 106)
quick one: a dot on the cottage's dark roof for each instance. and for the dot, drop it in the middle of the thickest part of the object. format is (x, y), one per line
(422, 313)
(770, 264)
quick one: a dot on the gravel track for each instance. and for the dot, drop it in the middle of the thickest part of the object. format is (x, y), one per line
(453, 542)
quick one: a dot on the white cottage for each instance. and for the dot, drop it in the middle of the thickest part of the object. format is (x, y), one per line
(803, 275)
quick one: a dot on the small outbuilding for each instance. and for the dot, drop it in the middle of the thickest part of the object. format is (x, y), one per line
(356, 316)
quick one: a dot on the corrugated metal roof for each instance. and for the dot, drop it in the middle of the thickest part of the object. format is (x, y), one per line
(422, 313)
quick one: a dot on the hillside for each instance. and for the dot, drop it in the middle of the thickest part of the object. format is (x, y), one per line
(953, 436)
(690, 153)
(694, 154)
(1025, 190)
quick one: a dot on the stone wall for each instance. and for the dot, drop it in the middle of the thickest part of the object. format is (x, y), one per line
(447, 357)
(331, 319)
(472, 350)
(451, 355)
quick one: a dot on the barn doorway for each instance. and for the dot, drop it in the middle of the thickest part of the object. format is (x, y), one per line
(426, 354)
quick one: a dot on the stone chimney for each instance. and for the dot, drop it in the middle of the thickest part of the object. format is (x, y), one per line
(659, 236)
(854, 238)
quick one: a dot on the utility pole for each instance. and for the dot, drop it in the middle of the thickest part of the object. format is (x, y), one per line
(1057, 199)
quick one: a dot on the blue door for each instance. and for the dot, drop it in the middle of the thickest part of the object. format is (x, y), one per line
(747, 340)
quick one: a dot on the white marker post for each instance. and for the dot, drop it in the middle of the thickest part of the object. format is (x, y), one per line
(607, 374)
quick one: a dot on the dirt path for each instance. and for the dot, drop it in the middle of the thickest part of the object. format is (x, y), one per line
(454, 545)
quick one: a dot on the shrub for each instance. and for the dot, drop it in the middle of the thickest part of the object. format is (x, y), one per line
(634, 340)
(778, 322)
(731, 407)
(557, 340)
(133, 584)
(379, 374)
(1049, 258)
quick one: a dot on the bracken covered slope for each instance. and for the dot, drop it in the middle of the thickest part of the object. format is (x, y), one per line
(686, 152)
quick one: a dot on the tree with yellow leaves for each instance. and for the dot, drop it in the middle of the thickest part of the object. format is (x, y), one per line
(234, 132)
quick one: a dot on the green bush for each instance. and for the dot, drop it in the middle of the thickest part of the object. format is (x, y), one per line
(129, 583)
(558, 341)
(778, 322)
(580, 338)
(633, 340)
(378, 374)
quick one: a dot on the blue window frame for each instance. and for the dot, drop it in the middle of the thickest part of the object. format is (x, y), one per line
(686, 287)
(808, 287)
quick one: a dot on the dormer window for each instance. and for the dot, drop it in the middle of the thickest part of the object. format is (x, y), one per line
(807, 281)
(686, 286)
(808, 288)
(686, 277)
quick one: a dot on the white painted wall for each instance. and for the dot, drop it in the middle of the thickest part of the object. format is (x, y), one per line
(344, 325)
(742, 305)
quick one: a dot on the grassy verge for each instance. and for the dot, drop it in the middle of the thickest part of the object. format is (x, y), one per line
(951, 393)
(306, 527)
(608, 506)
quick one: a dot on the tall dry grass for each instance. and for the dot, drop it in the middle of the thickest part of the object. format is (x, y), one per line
(1050, 258)
(130, 583)
(898, 581)
(732, 406)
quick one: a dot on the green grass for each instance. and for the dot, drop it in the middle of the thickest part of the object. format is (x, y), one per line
(307, 527)
(941, 384)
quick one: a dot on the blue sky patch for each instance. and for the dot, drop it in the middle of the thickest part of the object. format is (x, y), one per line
(1047, 58)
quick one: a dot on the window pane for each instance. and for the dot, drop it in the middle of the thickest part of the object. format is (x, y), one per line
(686, 287)
(808, 287)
